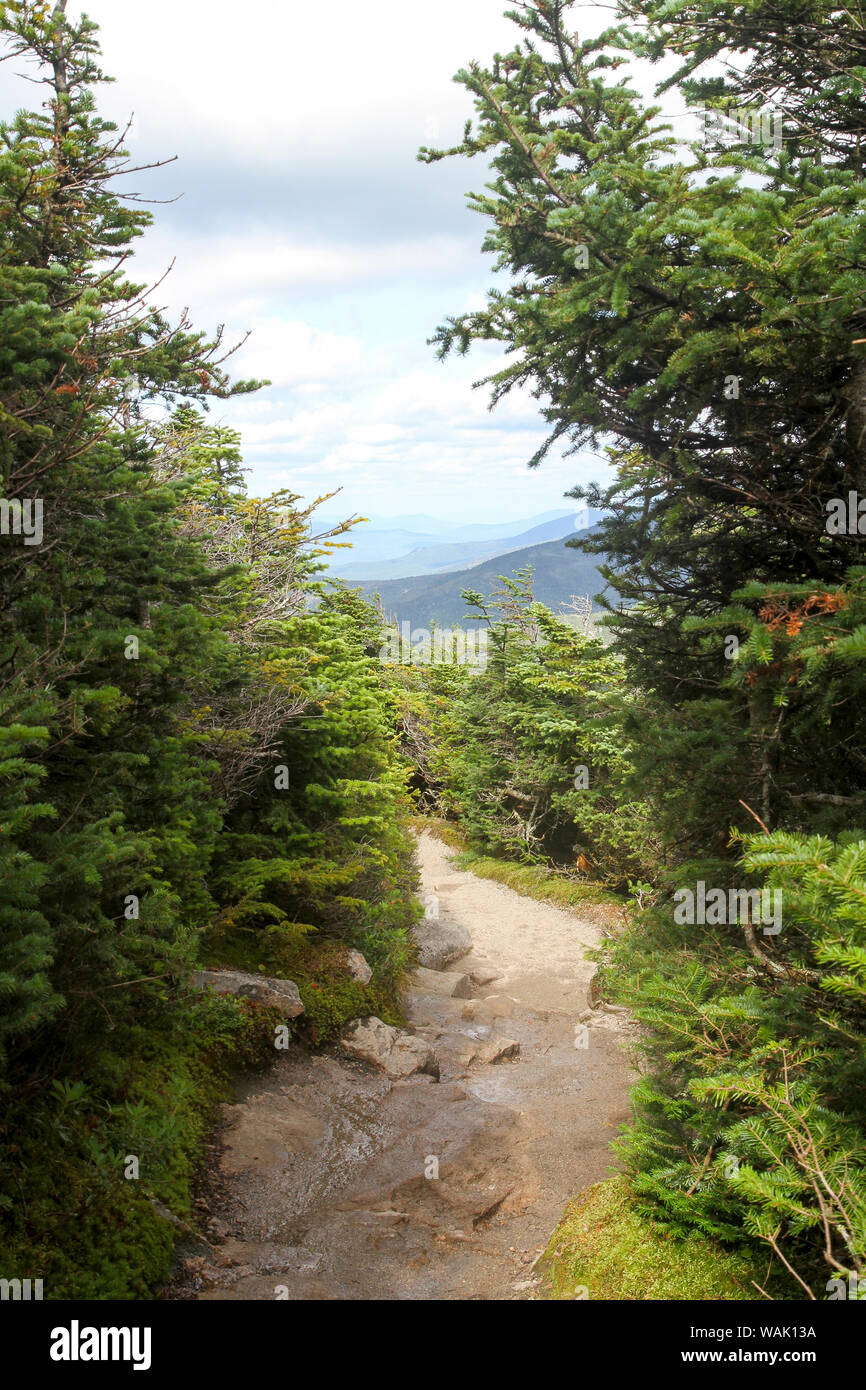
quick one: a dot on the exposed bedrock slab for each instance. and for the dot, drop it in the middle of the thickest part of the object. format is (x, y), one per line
(449, 983)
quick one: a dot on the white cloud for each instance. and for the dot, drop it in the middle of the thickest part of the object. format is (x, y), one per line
(281, 79)
(307, 219)
(410, 442)
(249, 272)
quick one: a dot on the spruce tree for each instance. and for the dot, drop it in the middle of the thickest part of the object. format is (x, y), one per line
(702, 307)
(99, 636)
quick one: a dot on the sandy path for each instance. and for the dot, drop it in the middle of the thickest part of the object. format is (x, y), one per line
(333, 1182)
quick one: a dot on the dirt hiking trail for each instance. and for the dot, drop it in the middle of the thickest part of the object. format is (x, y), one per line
(325, 1183)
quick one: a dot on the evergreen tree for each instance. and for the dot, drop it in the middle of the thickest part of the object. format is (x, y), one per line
(157, 654)
(702, 305)
(694, 305)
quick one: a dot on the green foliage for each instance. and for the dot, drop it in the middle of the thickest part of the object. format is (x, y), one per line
(538, 881)
(107, 1238)
(606, 1248)
(703, 267)
(752, 1108)
(702, 307)
(202, 756)
(500, 747)
(165, 649)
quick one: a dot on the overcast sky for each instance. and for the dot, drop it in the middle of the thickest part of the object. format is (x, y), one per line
(306, 218)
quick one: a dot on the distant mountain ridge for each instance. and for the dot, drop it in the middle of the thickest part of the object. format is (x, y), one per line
(439, 528)
(456, 555)
(559, 574)
(392, 547)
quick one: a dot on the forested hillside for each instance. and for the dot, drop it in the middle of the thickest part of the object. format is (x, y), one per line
(451, 557)
(558, 576)
(208, 758)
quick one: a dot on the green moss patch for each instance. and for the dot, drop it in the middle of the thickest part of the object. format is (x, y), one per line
(320, 969)
(606, 1249)
(106, 1239)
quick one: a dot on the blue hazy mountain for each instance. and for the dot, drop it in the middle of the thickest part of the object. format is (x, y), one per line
(559, 574)
(409, 546)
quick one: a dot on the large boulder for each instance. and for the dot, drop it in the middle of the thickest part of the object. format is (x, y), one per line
(264, 989)
(390, 1049)
(439, 943)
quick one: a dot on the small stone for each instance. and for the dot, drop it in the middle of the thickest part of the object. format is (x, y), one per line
(163, 1212)
(497, 1050)
(465, 987)
(358, 968)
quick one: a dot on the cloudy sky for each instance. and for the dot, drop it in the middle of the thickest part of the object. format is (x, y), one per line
(306, 218)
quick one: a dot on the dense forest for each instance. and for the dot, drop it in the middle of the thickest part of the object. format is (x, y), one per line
(209, 758)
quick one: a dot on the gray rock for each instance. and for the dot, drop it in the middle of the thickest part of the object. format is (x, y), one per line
(497, 1050)
(359, 969)
(390, 1049)
(489, 1009)
(264, 989)
(165, 1214)
(446, 982)
(439, 943)
(474, 1047)
(475, 980)
(465, 987)
(482, 976)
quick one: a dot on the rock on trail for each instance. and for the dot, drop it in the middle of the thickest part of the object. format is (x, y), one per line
(441, 942)
(392, 1050)
(338, 1178)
